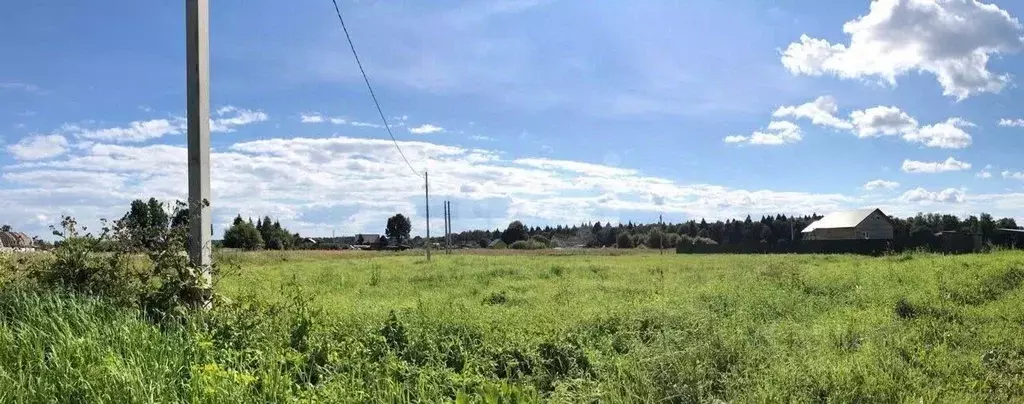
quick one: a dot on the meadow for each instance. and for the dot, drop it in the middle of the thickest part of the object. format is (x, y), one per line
(528, 327)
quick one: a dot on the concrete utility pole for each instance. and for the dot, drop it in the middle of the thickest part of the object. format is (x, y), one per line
(426, 193)
(447, 227)
(661, 241)
(197, 66)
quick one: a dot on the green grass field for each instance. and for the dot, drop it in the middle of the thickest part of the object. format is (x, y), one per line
(360, 327)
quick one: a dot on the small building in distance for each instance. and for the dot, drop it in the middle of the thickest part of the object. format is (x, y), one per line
(367, 242)
(861, 224)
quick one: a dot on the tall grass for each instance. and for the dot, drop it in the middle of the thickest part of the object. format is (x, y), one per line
(633, 328)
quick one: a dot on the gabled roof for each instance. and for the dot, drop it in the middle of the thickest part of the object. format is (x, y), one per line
(368, 238)
(842, 220)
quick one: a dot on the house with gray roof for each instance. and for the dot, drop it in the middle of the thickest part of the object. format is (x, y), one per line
(860, 224)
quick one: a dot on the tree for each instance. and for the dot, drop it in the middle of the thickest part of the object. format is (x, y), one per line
(5, 227)
(398, 228)
(656, 239)
(624, 240)
(243, 235)
(180, 218)
(145, 222)
(514, 232)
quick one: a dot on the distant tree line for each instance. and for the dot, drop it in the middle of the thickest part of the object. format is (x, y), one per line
(147, 219)
(911, 231)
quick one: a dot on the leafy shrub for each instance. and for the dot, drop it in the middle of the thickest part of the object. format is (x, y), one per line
(527, 245)
(656, 239)
(688, 244)
(155, 276)
(623, 240)
(243, 235)
(496, 298)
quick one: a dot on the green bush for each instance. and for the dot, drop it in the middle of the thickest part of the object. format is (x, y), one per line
(527, 245)
(541, 240)
(156, 277)
(687, 244)
(623, 240)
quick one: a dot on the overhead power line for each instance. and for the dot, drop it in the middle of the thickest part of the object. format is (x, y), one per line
(369, 87)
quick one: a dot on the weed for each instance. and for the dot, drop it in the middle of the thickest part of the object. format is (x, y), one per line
(496, 298)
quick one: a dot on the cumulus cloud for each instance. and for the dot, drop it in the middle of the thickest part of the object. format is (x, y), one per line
(947, 135)
(1013, 175)
(230, 117)
(319, 184)
(984, 174)
(880, 184)
(311, 118)
(39, 147)
(918, 195)
(881, 120)
(138, 131)
(950, 164)
(821, 111)
(777, 133)
(426, 129)
(365, 124)
(1013, 123)
(315, 117)
(952, 40)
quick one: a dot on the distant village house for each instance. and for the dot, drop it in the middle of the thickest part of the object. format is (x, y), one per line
(861, 224)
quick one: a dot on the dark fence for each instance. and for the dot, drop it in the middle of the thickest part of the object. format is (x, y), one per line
(865, 247)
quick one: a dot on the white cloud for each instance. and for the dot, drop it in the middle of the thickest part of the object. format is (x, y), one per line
(881, 120)
(482, 138)
(821, 111)
(1013, 175)
(951, 39)
(984, 174)
(1014, 123)
(777, 133)
(314, 117)
(880, 184)
(315, 185)
(311, 118)
(39, 147)
(230, 117)
(426, 129)
(950, 164)
(138, 131)
(227, 120)
(948, 195)
(946, 135)
(31, 88)
(365, 125)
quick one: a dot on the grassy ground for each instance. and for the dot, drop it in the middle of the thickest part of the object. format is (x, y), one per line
(559, 327)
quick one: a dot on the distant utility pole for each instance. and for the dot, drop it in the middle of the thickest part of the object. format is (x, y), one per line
(661, 241)
(426, 192)
(446, 241)
(197, 75)
(448, 223)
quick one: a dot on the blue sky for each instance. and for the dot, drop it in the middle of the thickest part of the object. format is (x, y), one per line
(547, 111)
